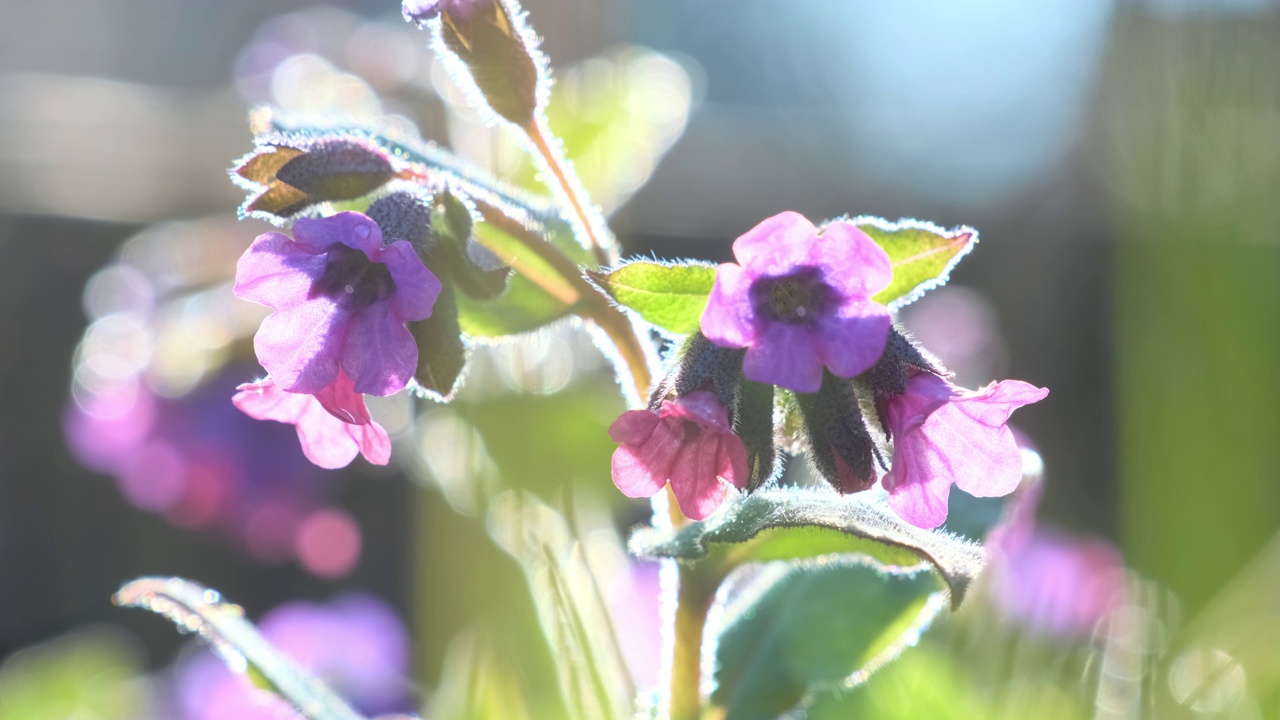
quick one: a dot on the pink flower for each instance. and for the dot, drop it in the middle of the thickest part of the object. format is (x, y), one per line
(687, 442)
(943, 434)
(799, 302)
(341, 300)
(333, 424)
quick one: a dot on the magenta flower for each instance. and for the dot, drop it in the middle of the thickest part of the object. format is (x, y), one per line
(687, 442)
(341, 300)
(799, 301)
(943, 434)
(333, 424)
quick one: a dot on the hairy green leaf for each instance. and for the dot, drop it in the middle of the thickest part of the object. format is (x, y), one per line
(671, 297)
(922, 254)
(194, 608)
(794, 524)
(803, 627)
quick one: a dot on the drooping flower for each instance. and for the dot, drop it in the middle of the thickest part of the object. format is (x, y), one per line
(356, 644)
(341, 301)
(943, 434)
(333, 424)
(687, 442)
(800, 301)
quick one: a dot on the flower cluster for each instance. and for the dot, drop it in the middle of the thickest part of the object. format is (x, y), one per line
(793, 329)
(341, 300)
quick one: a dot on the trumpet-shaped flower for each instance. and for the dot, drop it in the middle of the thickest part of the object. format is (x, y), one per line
(341, 301)
(333, 424)
(687, 442)
(799, 301)
(943, 434)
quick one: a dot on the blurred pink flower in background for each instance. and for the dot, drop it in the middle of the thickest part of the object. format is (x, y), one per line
(1048, 580)
(204, 465)
(355, 644)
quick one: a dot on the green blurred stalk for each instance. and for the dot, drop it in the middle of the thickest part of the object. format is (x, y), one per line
(1193, 123)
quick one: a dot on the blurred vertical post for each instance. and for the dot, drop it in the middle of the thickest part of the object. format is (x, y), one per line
(1193, 123)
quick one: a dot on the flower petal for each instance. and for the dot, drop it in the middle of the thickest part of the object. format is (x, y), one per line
(851, 341)
(729, 318)
(379, 352)
(918, 498)
(733, 461)
(342, 401)
(326, 440)
(299, 345)
(416, 286)
(694, 480)
(784, 355)
(277, 272)
(634, 427)
(265, 401)
(374, 443)
(852, 262)
(641, 471)
(777, 244)
(352, 229)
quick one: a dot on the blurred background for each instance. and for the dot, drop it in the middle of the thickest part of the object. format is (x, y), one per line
(1121, 161)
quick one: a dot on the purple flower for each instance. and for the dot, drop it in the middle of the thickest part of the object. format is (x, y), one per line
(356, 644)
(799, 301)
(341, 300)
(943, 434)
(333, 424)
(687, 442)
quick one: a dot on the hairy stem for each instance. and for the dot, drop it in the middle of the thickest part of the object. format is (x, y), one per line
(591, 304)
(694, 595)
(568, 187)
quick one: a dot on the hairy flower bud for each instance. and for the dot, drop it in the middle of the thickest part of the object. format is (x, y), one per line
(289, 175)
(494, 50)
(840, 445)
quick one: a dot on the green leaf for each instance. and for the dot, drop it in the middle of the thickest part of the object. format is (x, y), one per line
(671, 297)
(814, 626)
(922, 254)
(592, 673)
(797, 524)
(194, 608)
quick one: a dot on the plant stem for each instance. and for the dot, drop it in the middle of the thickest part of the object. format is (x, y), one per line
(569, 188)
(591, 304)
(694, 595)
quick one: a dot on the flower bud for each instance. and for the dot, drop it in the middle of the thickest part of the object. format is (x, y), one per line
(289, 175)
(840, 446)
(494, 50)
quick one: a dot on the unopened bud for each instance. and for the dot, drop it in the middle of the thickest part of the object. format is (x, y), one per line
(840, 445)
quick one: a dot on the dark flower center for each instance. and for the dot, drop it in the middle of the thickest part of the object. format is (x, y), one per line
(352, 280)
(691, 430)
(799, 298)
